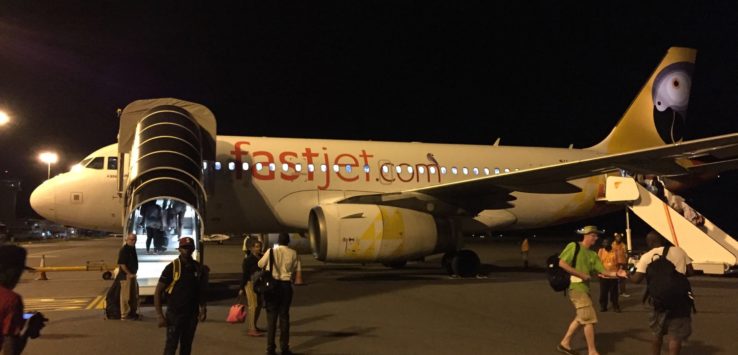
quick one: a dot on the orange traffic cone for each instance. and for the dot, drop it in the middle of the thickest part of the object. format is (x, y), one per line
(298, 278)
(41, 275)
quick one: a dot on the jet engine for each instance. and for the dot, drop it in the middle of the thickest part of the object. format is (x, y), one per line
(374, 233)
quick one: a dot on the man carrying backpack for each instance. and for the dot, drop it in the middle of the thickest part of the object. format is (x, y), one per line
(581, 262)
(668, 291)
(184, 281)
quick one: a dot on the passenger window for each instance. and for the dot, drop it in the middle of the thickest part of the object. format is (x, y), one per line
(112, 163)
(96, 163)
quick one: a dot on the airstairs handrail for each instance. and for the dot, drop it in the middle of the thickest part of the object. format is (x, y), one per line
(704, 244)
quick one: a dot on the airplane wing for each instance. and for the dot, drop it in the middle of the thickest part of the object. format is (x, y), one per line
(493, 192)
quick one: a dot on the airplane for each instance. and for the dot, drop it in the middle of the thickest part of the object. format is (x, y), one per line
(373, 201)
(215, 238)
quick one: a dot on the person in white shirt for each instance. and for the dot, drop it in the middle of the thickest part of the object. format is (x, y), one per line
(677, 323)
(286, 266)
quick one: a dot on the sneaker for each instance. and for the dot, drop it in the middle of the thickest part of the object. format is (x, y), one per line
(624, 295)
(254, 333)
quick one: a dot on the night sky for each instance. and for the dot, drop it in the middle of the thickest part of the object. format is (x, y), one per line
(448, 72)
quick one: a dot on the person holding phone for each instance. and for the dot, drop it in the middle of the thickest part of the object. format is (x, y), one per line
(16, 326)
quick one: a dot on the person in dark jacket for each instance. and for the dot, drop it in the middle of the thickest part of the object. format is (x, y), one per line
(254, 300)
(128, 266)
(185, 281)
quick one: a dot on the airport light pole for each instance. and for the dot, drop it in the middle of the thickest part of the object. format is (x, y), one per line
(4, 118)
(48, 158)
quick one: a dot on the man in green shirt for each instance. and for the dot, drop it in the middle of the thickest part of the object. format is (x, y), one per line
(587, 263)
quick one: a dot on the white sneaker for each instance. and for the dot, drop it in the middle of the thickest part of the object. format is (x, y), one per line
(624, 295)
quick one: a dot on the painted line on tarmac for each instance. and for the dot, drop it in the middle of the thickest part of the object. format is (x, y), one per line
(96, 303)
(56, 304)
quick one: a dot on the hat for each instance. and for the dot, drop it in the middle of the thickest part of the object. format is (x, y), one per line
(186, 242)
(589, 229)
(13, 256)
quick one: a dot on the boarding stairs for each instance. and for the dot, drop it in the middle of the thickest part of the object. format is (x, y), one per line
(711, 249)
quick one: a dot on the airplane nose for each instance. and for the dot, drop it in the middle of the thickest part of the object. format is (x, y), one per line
(42, 201)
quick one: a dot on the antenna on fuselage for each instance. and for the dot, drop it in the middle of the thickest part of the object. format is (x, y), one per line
(497, 142)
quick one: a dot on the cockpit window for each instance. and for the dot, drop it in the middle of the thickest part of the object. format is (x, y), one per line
(84, 162)
(96, 163)
(112, 163)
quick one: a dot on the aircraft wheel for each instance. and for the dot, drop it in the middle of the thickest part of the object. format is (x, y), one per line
(396, 264)
(465, 263)
(446, 262)
(107, 275)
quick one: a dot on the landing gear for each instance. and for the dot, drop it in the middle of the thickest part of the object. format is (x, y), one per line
(464, 263)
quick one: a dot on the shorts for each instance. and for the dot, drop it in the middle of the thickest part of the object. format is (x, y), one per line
(583, 304)
(677, 328)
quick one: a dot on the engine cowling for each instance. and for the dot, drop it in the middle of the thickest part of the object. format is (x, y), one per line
(373, 233)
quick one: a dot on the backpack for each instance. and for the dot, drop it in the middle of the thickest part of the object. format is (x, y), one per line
(667, 289)
(112, 301)
(177, 271)
(558, 278)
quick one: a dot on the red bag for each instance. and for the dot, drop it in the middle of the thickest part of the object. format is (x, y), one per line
(237, 314)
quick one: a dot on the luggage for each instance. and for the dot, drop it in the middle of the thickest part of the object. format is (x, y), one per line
(264, 283)
(667, 289)
(558, 278)
(237, 313)
(112, 301)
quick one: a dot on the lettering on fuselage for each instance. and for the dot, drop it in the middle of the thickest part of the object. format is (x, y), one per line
(361, 166)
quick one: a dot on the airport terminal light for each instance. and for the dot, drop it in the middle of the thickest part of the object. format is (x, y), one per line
(4, 118)
(48, 158)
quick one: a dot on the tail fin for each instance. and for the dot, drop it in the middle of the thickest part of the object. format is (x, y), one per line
(657, 115)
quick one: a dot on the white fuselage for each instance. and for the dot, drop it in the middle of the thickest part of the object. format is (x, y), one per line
(270, 184)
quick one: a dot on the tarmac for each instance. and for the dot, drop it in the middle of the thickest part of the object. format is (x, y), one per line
(369, 309)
